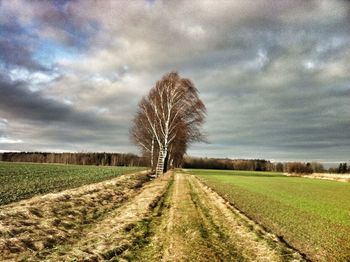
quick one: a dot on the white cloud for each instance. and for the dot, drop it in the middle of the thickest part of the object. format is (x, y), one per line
(6, 140)
(36, 80)
(310, 65)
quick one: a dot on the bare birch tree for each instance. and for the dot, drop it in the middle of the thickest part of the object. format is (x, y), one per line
(168, 120)
(143, 136)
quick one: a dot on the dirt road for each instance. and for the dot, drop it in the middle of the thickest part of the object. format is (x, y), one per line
(173, 218)
(199, 225)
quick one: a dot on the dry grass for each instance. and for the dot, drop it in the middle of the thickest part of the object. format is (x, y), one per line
(117, 232)
(324, 176)
(32, 228)
(327, 176)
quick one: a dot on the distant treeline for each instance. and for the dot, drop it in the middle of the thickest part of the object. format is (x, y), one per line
(260, 165)
(104, 159)
(118, 159)
(341, 169)
(228, 164)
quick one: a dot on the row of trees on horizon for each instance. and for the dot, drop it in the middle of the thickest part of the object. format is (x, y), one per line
(261, 165)
(118, 159)
(103, 159)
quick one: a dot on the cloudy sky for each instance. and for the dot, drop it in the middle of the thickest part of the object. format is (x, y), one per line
(274, 75)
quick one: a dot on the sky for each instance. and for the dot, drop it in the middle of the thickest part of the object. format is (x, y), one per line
(273, 74)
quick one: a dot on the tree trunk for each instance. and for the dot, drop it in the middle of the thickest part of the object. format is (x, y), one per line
(152, 154)
(165, 168)
(171, 163)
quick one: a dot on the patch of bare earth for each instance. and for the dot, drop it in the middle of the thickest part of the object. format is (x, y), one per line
(324, 176)
(31, 229)
(327, 176)
(198, 225)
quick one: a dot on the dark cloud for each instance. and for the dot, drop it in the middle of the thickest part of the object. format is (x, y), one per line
(273, 74)
(22, 103)
(16, 48)
(18, 102)
(60, 17)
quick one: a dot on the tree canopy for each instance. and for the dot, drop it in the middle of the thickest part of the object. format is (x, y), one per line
(168, 120)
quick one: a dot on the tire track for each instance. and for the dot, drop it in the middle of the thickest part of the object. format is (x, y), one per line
(199, 225)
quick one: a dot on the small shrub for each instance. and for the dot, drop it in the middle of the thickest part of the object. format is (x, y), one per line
(299, 168)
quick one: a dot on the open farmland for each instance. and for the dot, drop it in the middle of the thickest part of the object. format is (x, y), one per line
(203, 215)
(311, 215)
(23, 180)
(132, 218)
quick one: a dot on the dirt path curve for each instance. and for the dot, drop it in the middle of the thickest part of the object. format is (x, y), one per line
(200, 226)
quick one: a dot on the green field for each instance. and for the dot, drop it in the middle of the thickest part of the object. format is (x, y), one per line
(23, 180)
(310, 214)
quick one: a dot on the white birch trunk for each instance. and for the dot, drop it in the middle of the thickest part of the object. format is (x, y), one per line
(152, 154)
